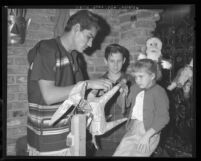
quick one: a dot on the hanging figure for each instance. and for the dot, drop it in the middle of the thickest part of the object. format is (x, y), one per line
(153, 52)
(183, 79)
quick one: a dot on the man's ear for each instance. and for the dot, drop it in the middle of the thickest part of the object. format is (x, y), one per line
(153, 76)
(76, 27)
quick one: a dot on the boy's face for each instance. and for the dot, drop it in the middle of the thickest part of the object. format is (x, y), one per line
(83, 39)
(115, 62)
(143, 79)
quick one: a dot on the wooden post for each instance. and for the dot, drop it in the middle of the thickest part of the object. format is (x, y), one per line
(78, 130)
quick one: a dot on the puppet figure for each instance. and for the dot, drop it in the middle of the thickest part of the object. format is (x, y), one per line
(153, 51)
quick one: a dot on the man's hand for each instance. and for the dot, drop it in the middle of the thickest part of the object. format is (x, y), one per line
(104, 84)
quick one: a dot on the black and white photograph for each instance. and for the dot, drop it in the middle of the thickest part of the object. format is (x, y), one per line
(97, 81)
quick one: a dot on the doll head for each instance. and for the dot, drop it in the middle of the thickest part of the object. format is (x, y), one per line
(154, 46)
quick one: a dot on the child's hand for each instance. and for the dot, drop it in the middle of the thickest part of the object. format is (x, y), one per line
(124, 90)
(143, 145)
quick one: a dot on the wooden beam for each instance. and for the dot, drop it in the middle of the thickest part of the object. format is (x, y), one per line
(78, 130)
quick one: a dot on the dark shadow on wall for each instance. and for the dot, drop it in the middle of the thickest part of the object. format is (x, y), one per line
(104, 31)
(21, 146)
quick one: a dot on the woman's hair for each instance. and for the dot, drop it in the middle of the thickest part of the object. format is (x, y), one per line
(85, 18)
(149, 65)
(114, 48)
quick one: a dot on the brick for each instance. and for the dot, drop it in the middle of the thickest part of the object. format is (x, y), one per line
(34, 26)
(10, 97)
(29, 43)
(42, 19)
(41, 11)
(16, 88)
(99, 53)
(114, 22)
(101, 11)
(108, 40)
(9, 114)
(128, 43)
(46, 27)
(125, 27)
(13, 123)
(11, 150)
(141, 40)
(21, 61)
(125, 18)
(12, 88)
(104, 45)
(122, 11)
(9, 107)
(39, 35)
(131, 34)
(11, 141)
(17, 51)
(14, 69)
(10, 61)
(22, 88)
(149, 33)
(10, 79)
(16, 132)
(22, 96)
(95, 61)
(114, 34)
(19, 113)
(137, 48)
(21, 79)
(145, 14)
(145, 24)
(18, 105)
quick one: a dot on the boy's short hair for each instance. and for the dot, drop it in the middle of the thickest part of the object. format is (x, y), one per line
(148, 64)
(85, 18)
(114, 48)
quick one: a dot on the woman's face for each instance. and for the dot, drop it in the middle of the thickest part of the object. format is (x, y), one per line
(115, 62)
(143, 79)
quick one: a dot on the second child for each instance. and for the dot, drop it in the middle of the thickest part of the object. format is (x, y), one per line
(149, 112)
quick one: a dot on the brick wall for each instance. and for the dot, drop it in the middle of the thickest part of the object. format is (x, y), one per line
(41, 27)
(131, 34)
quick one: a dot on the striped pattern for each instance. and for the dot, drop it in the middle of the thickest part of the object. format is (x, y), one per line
(33, 152)
(63, 61)
(38, 127)
(42, 137)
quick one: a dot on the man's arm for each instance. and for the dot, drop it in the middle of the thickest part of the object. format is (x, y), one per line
(53, 94)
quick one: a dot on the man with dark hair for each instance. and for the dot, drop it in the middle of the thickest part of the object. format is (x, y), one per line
(54, 70)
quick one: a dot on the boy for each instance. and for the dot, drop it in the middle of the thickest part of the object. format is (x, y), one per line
(115, 58)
